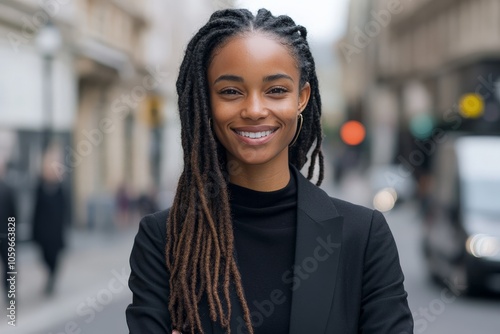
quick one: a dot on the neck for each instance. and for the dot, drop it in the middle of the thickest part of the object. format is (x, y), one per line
(262, 177)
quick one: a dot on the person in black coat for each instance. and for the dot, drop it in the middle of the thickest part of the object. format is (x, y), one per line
(49, 221)
(7, 210)
(250, 245)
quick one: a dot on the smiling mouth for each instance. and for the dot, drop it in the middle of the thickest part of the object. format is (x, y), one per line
(254, 135)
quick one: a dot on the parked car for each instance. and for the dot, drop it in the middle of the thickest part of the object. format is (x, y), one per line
(462, 227)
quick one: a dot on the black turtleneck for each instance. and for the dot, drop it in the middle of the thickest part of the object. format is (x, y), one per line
(264, 233)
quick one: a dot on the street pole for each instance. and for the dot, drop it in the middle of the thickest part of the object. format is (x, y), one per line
(48, 100)
(48, 42)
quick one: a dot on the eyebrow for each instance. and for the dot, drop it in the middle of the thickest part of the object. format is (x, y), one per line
(269, 78)
(277, 76)
(229, 77)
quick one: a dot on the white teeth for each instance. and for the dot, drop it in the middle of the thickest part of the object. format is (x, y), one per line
(254, 135)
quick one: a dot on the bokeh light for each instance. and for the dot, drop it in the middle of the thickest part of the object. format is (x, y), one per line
(421, 126)
(385, 199)
(482, 245)
(471, 106)
(352, 133)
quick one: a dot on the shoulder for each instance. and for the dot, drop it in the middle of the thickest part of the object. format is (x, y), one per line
(361, 224)
(352, 211)
(154, 226)
(157, 219)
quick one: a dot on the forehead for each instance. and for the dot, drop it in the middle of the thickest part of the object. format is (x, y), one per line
(253, 52)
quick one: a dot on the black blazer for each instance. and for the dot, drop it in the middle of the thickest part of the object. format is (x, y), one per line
(350, 279)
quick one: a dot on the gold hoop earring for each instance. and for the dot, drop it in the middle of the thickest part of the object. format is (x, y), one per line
(301, 119)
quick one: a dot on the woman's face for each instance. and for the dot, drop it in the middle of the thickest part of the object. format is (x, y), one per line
(255, 99)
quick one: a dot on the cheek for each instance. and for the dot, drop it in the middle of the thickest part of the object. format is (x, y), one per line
(216, 112)
(219, 114)
(219, 121)
(288, 113)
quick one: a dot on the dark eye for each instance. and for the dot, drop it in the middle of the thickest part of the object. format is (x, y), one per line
(278, 90)
(229, 91)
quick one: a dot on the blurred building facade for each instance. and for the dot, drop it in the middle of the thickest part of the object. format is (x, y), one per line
(22, 101)
(412, 60)
(113, 94)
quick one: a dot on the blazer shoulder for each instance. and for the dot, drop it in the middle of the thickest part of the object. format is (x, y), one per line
(352, 211)
(361, 223)
(358, 220)
(156, 221)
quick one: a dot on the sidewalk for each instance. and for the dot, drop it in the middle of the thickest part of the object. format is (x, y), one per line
(93, 273)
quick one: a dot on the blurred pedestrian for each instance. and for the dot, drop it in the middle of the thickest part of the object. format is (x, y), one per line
(7, 209)
(147, 202)
(123, 204)
(49, 218)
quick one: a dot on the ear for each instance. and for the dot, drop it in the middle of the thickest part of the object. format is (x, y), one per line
(304, 95)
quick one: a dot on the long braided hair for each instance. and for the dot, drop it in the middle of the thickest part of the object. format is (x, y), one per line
(199, 250)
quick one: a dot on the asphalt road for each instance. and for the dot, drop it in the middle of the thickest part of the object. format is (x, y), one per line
(436, 310)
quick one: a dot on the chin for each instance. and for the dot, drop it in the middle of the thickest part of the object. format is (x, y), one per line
(255, 161)
(255, 158)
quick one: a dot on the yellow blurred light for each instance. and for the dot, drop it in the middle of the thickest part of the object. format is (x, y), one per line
(471, 106)
(352, 133)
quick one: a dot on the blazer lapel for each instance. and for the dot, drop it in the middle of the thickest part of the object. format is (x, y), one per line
(317, 251)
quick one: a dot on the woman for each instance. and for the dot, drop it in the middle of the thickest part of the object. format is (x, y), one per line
(249, 244)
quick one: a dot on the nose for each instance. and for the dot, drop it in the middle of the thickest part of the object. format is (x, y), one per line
(254, 108)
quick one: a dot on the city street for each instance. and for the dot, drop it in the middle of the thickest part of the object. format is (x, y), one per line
(436, 310)
(110, 110)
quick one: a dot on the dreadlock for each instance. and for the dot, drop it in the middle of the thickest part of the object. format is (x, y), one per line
(199, 250)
